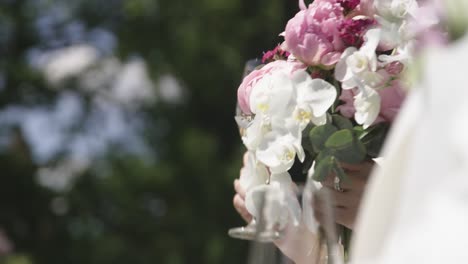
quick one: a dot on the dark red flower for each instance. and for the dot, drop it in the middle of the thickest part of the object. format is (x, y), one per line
(275, 54)
(349, 5)
(353, 30)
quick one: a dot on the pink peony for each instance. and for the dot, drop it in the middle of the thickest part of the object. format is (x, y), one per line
(391, 99)
(243, 93)
(312, 35)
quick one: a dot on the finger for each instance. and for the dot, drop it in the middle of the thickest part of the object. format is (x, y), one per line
(239, 205)
(340, 215)
(324, 216)
(319, 216)
(245, 158)
(357, 176)
(329, 182)
(337, 198)
(346, 216)
(365, 165)
(359, 179)
(239, 189)
(344, 199)
(343, 206)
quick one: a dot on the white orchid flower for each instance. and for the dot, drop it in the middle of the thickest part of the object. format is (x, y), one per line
(253, 173)
(367, 104)
(358, 68)
(400, 22)
(270, 98)
(281, 94)
(284, 104)
(393, 33)
(313, 98)
(255, 131)
(280, 204)
(403, 54)
(311, 187)
(278, 151)
(396, 10)
(272, 94)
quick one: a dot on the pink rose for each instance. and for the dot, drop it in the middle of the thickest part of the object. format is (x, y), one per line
(312, 35)
(391, 99)
(243, 93)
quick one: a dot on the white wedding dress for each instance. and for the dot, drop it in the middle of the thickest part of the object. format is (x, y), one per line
(416, 207)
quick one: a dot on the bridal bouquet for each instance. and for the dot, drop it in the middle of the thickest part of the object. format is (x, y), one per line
(327, 95)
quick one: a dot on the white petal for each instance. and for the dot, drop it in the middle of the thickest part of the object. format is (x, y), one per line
(284, 179)
(277, 152)
(318, 94)
(294, 207)
(367, 104)
(272, 93)
(307, 199)
(247, 172)
(282, 92)
(279, 204)
(288, 196)
(299, 150)
(350, 84)
(319, 120)
(253, 174)
(372, 39)
(301, 76)
(255, 132)
(342, 73)
(253, 199)
(372, 79)
(276, 206)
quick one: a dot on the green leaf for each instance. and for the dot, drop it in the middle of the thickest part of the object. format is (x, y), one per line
(323, 167)
(306, 144)
(319, 135)
(340, 172)
(346, 147)
(359, 131)
(341, 122)
(375, 138)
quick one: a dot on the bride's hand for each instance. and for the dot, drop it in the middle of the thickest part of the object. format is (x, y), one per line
(239, 197)
(298, 243)
(345, 203)
(239, 202)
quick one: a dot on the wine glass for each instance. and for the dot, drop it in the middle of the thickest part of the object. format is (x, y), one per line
(258, 229)
(328, 229)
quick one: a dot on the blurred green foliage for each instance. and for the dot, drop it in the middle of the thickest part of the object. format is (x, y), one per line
(173, 206)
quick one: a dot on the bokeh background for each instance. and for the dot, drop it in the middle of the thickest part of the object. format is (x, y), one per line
(117, 137)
